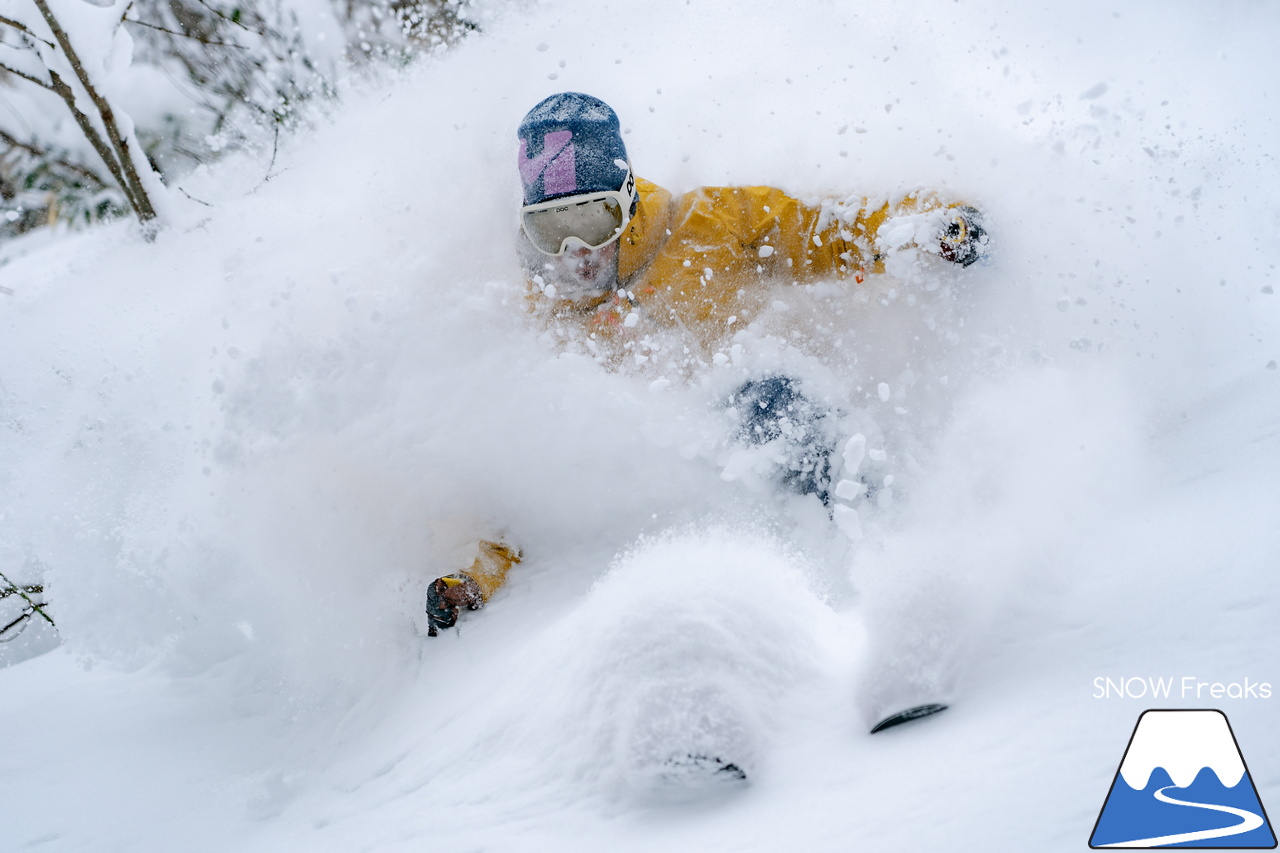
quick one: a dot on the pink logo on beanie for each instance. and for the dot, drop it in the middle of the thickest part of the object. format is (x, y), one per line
(556, 164)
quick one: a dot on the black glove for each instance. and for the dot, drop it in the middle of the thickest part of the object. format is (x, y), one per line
(445, 595)
(964, 241)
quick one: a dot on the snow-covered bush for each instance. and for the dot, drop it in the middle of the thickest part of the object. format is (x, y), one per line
(182, 82)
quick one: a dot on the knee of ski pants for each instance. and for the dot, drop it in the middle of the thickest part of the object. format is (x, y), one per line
(773, 407)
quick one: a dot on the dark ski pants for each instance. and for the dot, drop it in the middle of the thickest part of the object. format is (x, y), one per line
(772, 408)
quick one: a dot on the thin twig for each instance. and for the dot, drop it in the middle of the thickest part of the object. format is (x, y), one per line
(184, 35)
(71, 167)
(25, 76)
(193, 198)
(22, 28)
(24, 619)
(34, 605)
(230, 20)
(26, 615)
(275, 145)
(32, 589)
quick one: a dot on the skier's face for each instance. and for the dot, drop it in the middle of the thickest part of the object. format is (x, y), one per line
(583, 273)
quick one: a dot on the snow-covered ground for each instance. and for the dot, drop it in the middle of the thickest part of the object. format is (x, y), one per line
(237, 455)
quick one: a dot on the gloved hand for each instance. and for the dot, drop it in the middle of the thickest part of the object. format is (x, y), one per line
(964, 241)
(445, 595)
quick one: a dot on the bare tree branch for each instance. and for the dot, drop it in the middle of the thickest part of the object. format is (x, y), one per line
(33, 604)
(230, 20)
(25, 76)
(22, 28)
(184, 35)
(193, 198)
(275, 145)
(136, 191)
(95, 139)
(23, 617)
(82, 171)
(31, 589)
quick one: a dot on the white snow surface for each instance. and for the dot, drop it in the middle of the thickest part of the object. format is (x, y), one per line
(237, 455)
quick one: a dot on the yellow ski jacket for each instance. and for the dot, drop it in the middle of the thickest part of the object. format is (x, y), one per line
(700, 262)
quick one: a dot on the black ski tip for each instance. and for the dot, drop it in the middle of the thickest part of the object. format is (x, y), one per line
(907, 716)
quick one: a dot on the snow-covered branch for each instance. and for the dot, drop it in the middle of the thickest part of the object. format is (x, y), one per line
(29, 589)
(157, 87)
(125, 167)
(9, 69)
(92, 111)
(32, 608)
(20, 27)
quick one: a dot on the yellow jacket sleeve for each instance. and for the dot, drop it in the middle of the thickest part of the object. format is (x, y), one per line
(491, 566)
(702, 262)
(716, 245)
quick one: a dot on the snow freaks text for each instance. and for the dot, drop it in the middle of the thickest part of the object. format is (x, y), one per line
(1186, 687)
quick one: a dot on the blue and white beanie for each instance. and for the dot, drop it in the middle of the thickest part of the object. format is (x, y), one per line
(570, 144)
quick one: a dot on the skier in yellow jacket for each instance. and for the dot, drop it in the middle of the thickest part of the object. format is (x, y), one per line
(618, 261)
(469, 589)
(621, 258)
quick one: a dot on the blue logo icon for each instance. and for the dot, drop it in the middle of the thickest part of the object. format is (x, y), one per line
(1183, 783)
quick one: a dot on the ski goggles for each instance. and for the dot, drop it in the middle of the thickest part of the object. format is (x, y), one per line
(593, 219)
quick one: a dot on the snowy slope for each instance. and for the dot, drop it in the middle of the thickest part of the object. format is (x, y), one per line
(237, 455)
